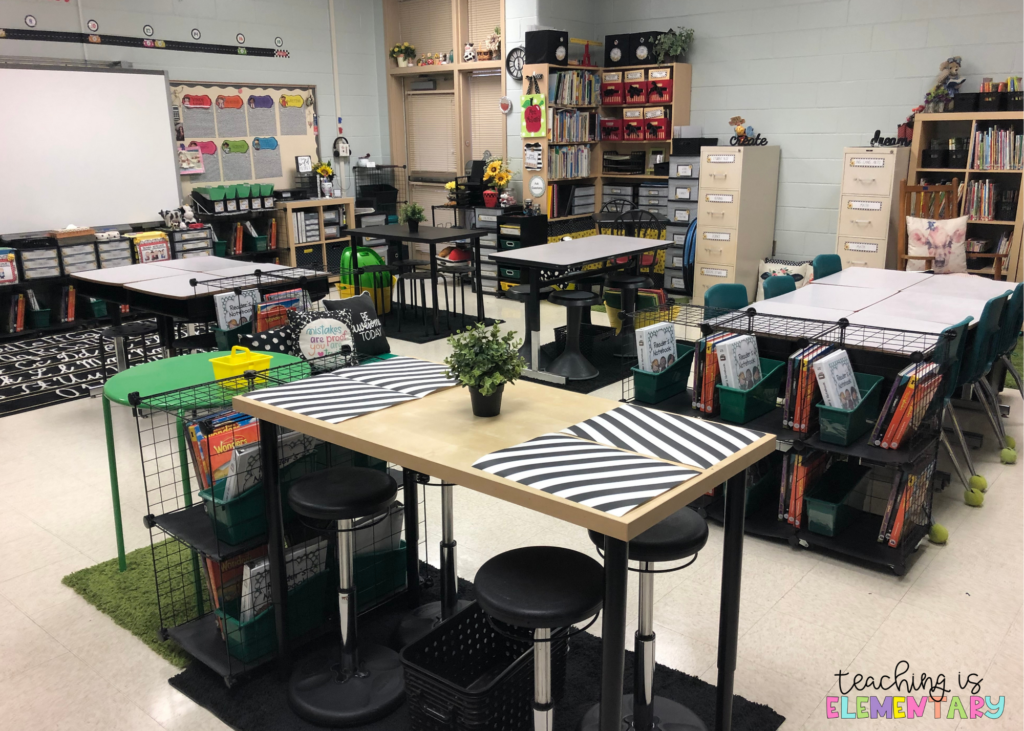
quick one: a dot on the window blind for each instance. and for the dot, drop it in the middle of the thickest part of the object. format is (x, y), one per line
(487, 123)
(430, 132)
(484, 15)
(427, 25)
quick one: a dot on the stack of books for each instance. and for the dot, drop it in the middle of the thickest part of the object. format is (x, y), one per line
(307, 226)
(909, 501)
(574, 88)
(913, 390)
(802, 390)
(800, 471)
(727, 359)
(998, 149)
(572, 161)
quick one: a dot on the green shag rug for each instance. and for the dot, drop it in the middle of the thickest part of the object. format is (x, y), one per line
(129, 598)
(1017, 358)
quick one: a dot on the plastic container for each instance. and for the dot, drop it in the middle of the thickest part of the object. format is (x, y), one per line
(227, 339)
(653, 388)
(365, 257)
(99, 308)
(739, 407)
(1014, 101)
(845, 426)
(255, 243)
(265, 188)
(991, 101)
(238, 520)
(234, 365)
(220, 248)
(464, 676)
(378, 575)
(827, 512)
(37, 318)
(934, 158)
(965, 102)
(763, 488)
(243, 190)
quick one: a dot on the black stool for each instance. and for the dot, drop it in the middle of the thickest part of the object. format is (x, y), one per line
(541, 588)
(680, 535)
(521, 293)
(459, 274)
(627, 284)
(356, 686)
(421, 277)
(427, 616)
(122, 336)
(572, 364)
(383, 276)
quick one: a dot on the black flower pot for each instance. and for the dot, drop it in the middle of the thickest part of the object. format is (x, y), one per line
(414, 226)
(486, 405)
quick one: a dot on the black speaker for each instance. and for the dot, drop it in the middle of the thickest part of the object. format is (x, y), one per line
(641, 48)
(616, 50)
(547, 46)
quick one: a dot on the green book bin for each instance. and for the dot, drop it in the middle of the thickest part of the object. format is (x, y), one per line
(739, 407)
(827, 512)
(653, 388)
(845, 426)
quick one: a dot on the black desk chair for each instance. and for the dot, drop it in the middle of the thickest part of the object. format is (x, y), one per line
(521, 293)
(541, 588)
(679, 536)
(357, 685)
(572, 364)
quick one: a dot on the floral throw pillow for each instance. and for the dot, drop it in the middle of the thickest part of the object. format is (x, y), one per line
(317, 333)
(943, 240)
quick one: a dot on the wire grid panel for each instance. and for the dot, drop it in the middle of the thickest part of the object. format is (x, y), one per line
(272, 278)
(208, 528)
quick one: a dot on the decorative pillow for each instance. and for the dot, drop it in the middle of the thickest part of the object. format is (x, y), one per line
(801, 271)
(943, 240)
(367, 330)
(316, 333)
(273, 341)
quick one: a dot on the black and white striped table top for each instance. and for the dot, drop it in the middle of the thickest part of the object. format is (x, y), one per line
(406, 375)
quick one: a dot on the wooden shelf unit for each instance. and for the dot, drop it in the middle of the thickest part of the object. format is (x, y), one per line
(964, 124)
(680, 115)
(287, 237)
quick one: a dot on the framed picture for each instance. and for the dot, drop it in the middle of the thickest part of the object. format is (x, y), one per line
(190, 161)
(304, 163)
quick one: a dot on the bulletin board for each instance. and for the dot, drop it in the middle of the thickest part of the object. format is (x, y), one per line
(246, 133)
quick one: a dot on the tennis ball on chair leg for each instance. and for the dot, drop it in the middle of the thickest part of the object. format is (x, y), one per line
(974, 498)
(1011, 443)
(938, 533)
(1008, 456)
(977, 482)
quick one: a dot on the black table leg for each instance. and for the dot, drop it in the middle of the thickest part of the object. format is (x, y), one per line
(533, 316)
(165, 331)
(433, 286)
(613, 632)
(275, 542)
(355, 241)
(729, 621)
(412, 537)
(477, 279)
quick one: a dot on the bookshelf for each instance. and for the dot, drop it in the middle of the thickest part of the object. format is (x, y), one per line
(944, 126)
(677, 110)
(319, 253)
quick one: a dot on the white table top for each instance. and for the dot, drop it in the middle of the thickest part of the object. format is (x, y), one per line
(969, 287)
(199, 264)
(788, 309)
(835, 298)
(564, 254)
(935, 307)
(120, 276)
(880, 317)
(872, 278)
(177, 287)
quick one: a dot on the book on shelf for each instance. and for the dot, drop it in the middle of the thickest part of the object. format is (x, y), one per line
(739, 362)
(574, 88)
(569, 161)
(233, 310)
(151, 246)
(800, 472)
(656, 346)
(707, 376)
(836, 381)
(998, 149)
(911, 393)
(212, 441)
(8, 266)
(571, 125)
(273, 311)
(225, 578)
(302, 562)
(14, 313)
(909, 501)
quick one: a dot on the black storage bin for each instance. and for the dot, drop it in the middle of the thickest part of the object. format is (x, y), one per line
(616, 50)
(641, 47)
(690, 146)
(991, 101)
(934, 158)
(1015, 101)
(310, 256)
(965, 102)
(547, 46)
(957, 158)
(464, 676)
(379, 196)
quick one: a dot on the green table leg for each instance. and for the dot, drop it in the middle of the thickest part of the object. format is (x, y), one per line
(115, 495)
(186, 487)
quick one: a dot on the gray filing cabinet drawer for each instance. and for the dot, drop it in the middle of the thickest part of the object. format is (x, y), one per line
(653, 191)
(679, 212)
(673, 258)
(619, 191)
(676, 234)
(686, 166)
(674, 278)
(487, 217)
(683, 190)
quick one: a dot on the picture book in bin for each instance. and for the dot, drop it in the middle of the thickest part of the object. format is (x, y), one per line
(656, 346)
(836, 381)
(302, 562)
(234, 310)
(213, 441)
(739, 362)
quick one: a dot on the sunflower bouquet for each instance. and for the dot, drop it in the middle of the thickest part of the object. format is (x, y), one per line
(324, 170)
(496, 174)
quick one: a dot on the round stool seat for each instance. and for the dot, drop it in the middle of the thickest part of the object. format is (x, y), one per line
(629, 281)
(521, 292)
(129, 330)
(573, 298)
(417, 276)
(343, 493)
(678, 536)
(540, 587)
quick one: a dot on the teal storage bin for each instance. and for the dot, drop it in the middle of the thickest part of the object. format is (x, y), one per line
(739, 407)
(765, 487)
(378, 575)
(227, 339)
(99, 308)
(37, 318)
(826, 509)
(845, 426)
(653, 388)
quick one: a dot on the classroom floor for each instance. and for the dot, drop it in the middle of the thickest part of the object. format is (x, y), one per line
(804, 615)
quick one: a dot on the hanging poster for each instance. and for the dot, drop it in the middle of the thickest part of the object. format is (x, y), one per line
(197, 115)
(230, 115)
(211, 162)
(260, 110)
(190, 161)
(266, 157)
(235, 160)
(533, 156)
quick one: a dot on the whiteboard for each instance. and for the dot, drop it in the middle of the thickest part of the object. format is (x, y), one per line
(88, 147)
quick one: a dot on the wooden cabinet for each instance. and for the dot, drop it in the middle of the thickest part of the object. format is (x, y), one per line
(309, 238)
(869, 205)
(736, 215)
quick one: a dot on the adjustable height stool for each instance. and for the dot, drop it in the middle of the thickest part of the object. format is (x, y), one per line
(680, 535)
(627, 284)
(572, 364)
(356, 685)
(541, 588)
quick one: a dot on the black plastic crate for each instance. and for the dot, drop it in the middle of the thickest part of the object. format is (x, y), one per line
(934, 158)
(991, 101)
(465, 676)
(965, 102)
(958, 158)
(1014, 101)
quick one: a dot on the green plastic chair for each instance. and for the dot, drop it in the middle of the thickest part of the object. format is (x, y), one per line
(778, 284)
(950, 352)
(726, 296)
(1013, 320)
(826, 264)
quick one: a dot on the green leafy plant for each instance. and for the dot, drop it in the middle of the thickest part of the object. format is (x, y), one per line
(673, 43)
(402, 49)
(484, 358)
(411, 212)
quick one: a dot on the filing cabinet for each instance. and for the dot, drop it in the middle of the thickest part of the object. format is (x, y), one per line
(869, 205)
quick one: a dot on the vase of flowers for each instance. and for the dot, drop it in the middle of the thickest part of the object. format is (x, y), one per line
(403, 53)
(483, 360)
(411, 214)
(493, 43)
(325, 176)
(497, 176)
(450, 188)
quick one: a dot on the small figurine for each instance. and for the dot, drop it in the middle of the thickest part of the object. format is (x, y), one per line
(737, 123)
(451, 56)
(507, 198)
(745, 134)
(469, 54)
(949, 75)
(187, 216)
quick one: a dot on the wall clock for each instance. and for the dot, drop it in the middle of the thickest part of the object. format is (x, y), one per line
(514, 62)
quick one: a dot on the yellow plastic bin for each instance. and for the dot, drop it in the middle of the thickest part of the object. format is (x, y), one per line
(235, 365)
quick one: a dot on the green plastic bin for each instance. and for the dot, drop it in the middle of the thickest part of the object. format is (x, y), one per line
(653, 388)
(99, 308)
(37, 318)
(242, 190)
(255, 243)
(220, 248)
(227, 339)
(230, 192)
(378, 575)
(845, 426)
(739, 407)
(265, 188)
(826, 509)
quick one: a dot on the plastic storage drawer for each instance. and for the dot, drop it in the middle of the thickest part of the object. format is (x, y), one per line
(683, 190)
(487, 217)
(674, 256)
(674, 278)
(679, 212)
(684, 167)
(653, 191)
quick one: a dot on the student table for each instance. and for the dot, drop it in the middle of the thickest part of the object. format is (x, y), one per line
(401, 434)
(964, 287)
(835, 298)
(872, 278)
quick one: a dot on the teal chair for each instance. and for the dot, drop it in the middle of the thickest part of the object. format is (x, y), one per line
(976, 364)
(826, 264)
(726, 296)
(950, 352)
(779, 284)
(1013, 320)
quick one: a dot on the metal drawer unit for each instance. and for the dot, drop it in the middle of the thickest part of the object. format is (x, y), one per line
(869, 206)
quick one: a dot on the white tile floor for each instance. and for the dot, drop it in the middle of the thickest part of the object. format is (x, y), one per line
(804, 617)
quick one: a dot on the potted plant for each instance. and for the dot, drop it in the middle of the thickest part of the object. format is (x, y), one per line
(672, 45)
(403, 53)
(497, 176)
(325, 176)
(484, 360)
(492, 45)
(412, 214)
